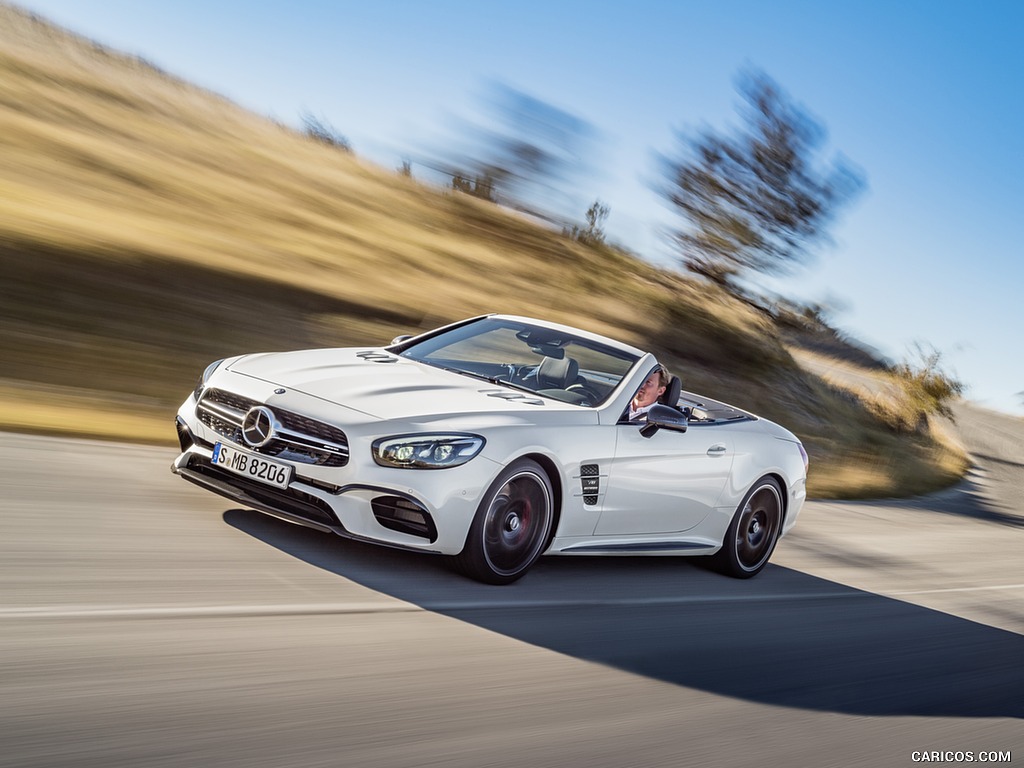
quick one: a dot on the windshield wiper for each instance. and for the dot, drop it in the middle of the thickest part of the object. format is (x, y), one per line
(513, 385)
(489, 379)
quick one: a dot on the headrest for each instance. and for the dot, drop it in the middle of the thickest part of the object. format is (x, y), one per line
(557, 374)
(672, 392)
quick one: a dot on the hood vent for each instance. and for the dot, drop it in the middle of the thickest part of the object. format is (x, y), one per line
(513, 397)
(377, 357)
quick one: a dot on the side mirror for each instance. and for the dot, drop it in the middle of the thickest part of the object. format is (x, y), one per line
(664, 417)
(400, 339)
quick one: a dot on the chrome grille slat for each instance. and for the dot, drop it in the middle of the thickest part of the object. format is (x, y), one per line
(300, 439)
(227, 414)
(303, 441)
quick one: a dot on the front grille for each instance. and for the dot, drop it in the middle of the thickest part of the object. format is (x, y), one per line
(298, 438)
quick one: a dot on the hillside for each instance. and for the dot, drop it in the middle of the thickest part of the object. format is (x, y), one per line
(148, 226)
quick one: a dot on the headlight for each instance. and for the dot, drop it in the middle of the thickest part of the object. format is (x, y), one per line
(205, 377)
(426, 451)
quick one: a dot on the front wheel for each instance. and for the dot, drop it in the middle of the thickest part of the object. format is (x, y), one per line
(753, 532)
(511, 526)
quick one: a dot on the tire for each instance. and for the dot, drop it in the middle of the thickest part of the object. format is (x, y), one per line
(753, 532)
(511, 527)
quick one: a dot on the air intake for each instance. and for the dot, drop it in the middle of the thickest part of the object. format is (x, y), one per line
(590, 482)
(404, 516)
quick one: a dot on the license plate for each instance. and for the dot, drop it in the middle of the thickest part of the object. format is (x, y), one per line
(252, 466)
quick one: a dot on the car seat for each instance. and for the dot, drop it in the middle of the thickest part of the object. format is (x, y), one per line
(557, 374)
(672, 392)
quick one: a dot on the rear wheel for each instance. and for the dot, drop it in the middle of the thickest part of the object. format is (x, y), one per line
(753, 532)
(511, 526)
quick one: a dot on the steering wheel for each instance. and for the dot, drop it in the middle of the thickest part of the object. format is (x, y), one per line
(519, 372)
(585, 390)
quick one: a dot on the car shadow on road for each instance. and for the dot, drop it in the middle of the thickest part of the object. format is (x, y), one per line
(782, 639)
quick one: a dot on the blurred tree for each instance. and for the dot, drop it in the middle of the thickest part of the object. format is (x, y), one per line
(482, 187)
(521, 155)
(754, 201)
(597, 213)
(593, 233)
(325, 133)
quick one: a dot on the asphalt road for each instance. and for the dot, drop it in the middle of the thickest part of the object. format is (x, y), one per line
(144, 622)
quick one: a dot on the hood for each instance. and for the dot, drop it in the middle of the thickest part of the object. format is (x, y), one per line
(385, 386)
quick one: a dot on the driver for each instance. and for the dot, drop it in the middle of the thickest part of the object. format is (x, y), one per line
(652, 389)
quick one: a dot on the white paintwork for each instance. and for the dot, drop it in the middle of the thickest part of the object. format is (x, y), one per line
(664, 484)
(672, 490)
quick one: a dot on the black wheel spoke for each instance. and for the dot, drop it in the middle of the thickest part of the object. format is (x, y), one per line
(758, 527)
(511, 526)
(753, 532)
(515, 523)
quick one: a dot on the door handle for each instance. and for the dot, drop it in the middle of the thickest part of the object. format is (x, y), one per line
(716, 450)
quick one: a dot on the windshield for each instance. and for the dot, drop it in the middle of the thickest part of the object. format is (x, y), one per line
(548, 362)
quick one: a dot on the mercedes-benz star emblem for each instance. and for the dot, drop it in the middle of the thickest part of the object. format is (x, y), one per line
(258, 426)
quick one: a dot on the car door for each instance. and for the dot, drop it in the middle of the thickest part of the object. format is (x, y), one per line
(665, 483)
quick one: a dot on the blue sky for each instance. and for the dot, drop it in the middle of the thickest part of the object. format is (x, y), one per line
(926, 98)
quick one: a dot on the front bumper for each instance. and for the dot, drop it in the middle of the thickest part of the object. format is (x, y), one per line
(362, 502)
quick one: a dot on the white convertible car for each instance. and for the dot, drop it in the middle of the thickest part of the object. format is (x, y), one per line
(493, 441)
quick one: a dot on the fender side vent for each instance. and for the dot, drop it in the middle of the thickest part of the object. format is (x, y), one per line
(590, 481)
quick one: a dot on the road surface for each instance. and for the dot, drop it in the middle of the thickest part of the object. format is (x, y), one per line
(144, 622)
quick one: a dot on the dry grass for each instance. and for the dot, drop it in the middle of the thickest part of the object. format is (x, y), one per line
(83, 413)
(879, 443)
(148, 226)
